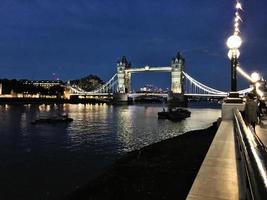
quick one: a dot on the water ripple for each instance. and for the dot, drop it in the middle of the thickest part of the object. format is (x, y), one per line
(82, 149)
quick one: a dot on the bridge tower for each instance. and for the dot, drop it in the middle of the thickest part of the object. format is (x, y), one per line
(124, 78)
(177, 78)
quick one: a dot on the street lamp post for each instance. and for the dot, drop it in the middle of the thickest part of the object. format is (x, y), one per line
(234, 62)
(233, 43)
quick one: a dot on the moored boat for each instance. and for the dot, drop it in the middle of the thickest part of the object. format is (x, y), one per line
(53, 119)
(174, 115)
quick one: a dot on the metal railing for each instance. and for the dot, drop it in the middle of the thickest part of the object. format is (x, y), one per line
(254, 159)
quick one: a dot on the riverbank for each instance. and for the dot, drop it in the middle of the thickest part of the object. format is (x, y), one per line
(21, 101)
(164, 170)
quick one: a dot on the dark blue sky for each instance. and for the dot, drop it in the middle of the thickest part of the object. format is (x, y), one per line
(74, 38)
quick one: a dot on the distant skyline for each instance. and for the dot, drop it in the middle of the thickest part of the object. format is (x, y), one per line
(75, 38)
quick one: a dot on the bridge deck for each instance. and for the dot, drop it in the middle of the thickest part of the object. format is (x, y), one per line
(218, 175)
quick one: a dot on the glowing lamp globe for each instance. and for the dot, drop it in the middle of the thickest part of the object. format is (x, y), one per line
(233, 53)
(234, 42)
(255, 77)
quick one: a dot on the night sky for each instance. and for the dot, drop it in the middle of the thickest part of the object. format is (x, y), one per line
(74, 38)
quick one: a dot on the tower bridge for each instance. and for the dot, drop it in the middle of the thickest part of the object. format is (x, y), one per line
(182, 84)
(124, 71)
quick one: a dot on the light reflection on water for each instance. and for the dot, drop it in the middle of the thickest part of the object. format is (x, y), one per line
(52, 159)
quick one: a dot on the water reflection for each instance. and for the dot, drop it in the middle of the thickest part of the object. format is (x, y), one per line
(125, 128)
(23, 121)
(138, 126)
(80, 150)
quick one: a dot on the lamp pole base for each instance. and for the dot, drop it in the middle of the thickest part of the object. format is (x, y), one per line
(233, 97)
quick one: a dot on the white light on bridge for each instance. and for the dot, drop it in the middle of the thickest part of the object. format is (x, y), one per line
(147, 68)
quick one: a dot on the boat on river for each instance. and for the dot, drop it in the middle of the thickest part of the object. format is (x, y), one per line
(52, 119)
(177, 114)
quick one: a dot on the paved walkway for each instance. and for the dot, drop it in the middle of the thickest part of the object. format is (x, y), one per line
(218, 176)
(261, 130)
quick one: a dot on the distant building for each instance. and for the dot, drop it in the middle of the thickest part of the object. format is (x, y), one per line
(0, 88)
(150, 88)
(45, 83)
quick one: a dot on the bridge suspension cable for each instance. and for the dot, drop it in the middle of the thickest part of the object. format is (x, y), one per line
(206, 89)
(106, 88)
(202, 86)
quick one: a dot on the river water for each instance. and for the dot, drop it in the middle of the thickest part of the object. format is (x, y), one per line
(48, 161)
